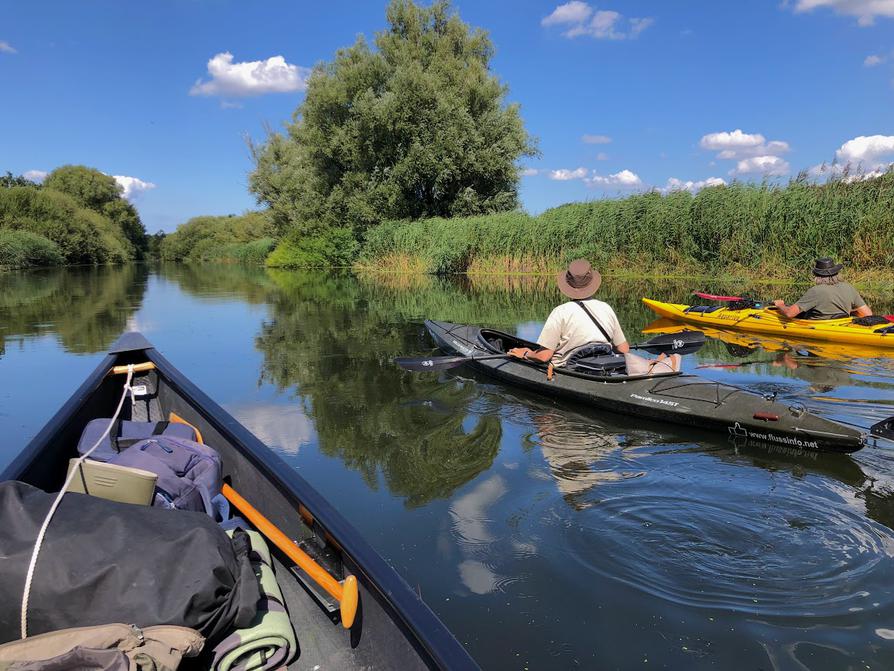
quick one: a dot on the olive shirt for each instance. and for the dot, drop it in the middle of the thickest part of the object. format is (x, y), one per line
(568, 326)
(831, 299)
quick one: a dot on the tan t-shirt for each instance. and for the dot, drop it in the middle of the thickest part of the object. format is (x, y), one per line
(568, 326)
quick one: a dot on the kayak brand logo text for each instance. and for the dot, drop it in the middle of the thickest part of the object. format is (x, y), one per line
(740, 432)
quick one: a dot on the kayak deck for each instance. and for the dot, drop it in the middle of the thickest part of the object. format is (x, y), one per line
(669, 397)
(772, 322)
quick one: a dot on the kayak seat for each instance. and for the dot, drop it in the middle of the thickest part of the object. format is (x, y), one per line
(703, 309)
(814, 314)
(596, 358)
(871, 320)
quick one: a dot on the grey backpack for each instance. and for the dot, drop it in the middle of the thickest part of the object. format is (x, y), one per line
(189, 473)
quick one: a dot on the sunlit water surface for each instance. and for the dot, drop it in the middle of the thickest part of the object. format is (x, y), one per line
(544, 535)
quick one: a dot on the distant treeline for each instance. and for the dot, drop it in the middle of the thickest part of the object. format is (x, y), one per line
(740, 228)
(230, 239)
(76, 216)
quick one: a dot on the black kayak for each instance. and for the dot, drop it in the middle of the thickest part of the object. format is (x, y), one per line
(393, 627)
(743, 416)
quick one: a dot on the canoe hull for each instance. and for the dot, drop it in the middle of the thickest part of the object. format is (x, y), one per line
(769, 322)
(687, 400)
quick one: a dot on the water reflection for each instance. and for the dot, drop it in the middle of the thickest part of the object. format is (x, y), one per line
(85, 308)
(329, 343)
(521, 519)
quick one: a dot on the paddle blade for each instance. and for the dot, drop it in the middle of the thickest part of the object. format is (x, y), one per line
(884, 429)
(430, 363)
(684, 342)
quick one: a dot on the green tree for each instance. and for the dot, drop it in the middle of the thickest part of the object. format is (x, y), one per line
(416, 127)
(101, 193)
(9, 180)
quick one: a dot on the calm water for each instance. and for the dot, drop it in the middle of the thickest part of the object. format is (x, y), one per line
(545, 536)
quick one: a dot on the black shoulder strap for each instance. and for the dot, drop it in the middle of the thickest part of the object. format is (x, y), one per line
(598, 325)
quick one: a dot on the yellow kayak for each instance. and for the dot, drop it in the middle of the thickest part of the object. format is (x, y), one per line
(771, 322)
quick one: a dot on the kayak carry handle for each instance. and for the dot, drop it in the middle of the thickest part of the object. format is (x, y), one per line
(344, 592)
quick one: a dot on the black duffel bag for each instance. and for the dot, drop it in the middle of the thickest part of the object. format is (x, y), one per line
(104, 562)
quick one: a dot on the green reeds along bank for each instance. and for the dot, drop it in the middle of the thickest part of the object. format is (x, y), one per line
(753, 230)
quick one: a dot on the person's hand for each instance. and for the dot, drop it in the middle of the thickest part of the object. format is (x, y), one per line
(779, 304)
(519, 352)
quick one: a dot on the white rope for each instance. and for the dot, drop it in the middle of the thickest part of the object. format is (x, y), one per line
(46, 522)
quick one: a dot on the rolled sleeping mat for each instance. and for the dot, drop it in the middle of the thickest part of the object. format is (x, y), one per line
(269, 642)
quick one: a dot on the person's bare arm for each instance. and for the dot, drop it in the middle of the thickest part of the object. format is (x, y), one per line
(790, 311)
(623, 348)
(541, 355)
(863, 311)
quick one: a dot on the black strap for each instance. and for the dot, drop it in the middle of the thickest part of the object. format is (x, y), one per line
(595, 321)
(123, 443)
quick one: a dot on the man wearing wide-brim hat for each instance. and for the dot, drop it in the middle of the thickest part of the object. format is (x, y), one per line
(829, 297)
(584, 321)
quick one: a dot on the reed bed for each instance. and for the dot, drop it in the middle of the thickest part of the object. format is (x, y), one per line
(762, 230)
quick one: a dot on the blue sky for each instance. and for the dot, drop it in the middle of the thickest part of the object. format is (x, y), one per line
(623, 96)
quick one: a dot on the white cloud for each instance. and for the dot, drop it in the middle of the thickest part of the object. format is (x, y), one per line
(866, 149)
(674, 184)
(563, 174)
(771, 166)
(602, 156)
(737, 145)
(36, 175)
(132, 186)
(570, 12)
(7, 48)
(625, 179)
(847, 173)
(873, 60)
(596, 139)
(866, 11)
(602, 25)
(529, 172)
(251, 78)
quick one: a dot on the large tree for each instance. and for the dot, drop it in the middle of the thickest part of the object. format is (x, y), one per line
(101, 193)
(416, 127)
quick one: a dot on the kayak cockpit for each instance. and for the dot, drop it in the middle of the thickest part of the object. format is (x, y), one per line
(607, 367)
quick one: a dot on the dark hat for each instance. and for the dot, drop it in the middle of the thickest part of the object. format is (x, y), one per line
(826, 267)
(580, 280)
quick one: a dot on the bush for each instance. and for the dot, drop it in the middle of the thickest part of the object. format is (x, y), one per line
(211, 238)
(330, 247)
(21, 249)
(82, 236)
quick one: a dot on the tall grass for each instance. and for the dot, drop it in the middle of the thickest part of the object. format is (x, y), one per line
(768, 230)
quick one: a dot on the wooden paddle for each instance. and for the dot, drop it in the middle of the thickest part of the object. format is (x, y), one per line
(684, 342)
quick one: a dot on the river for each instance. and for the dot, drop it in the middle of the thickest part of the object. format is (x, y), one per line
(544, 535)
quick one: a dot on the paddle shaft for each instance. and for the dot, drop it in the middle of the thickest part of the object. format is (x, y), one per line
(345, 593)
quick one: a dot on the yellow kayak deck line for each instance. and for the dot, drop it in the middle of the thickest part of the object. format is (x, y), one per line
(771, 322)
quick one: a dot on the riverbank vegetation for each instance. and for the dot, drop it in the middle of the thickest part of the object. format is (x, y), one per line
(77, 216)
(745, 229)
(246, 238)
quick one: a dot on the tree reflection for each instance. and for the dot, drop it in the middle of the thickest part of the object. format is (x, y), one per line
(333, 340)
(85, 308)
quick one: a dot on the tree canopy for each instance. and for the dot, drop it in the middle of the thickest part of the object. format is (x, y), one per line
(416, 127)
(101, 193)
